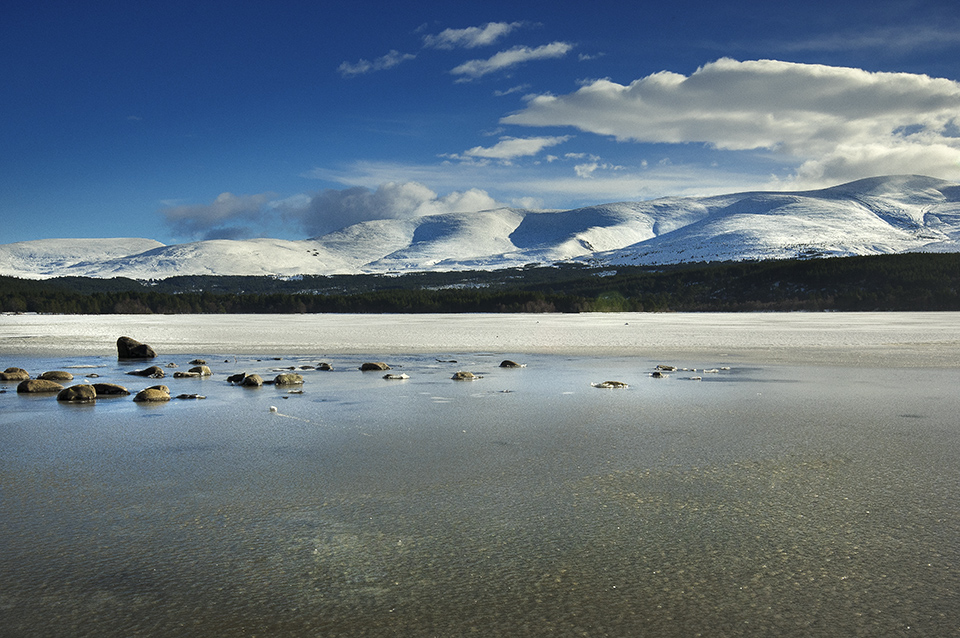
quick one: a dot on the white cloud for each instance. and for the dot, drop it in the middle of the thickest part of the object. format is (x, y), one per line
(516, 89)
(229, 216)
(471, 37)
(361, 67)
(586, 170)
(473, 69)
(837, 122)
(551, 186)
(333, 209)
(902, 38)
(512, 147)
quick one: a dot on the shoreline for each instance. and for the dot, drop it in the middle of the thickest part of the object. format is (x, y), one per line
(900, 339)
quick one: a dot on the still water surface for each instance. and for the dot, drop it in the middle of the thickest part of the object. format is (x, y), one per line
(763, 500)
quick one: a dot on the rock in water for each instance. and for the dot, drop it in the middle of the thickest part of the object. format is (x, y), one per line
(39, 385)
(110, 389)
(78, 394)
(153, 393)
(128, 348)
(154, 372)
(614, 385)
(56, 375)
(252, 381)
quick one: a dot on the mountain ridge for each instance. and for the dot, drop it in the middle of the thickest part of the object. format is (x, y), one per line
(878, 215)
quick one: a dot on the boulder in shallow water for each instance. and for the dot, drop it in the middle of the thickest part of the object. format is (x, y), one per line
(110, 390)
(202, 370)
(38, 386)
(154, 372)
(611, 385)
(252, 381)
(14, 374)
(56, 375)
(128, 348)
(507, 363)
(374, 365)
(81, 393)
(154, 393)
(288, 378)
(463, 375)
(326, 367)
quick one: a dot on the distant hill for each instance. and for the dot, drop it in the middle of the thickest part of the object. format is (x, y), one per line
(882, 215)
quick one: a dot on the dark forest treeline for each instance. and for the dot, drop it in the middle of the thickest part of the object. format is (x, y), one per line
(885, 282)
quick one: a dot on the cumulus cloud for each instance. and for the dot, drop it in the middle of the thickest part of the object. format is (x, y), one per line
(836, 122)
(333, 209)
(361, 67)
(473, 69)
(470, 37)
(509, 148)
(229, 216)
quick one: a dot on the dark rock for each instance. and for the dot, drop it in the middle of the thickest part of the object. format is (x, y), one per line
(377, 365)
(154, 372)
(56, 375)
(128, 348)
(154, 393)
(326, 367)
(252, 381)
(191, 396)
(507, 363)
(39, 385)
(198, 362)
(237, 378)
(110, 389)
(465, 376)
(289, 378)
(78, 394)
(14, 374)
(202, 370)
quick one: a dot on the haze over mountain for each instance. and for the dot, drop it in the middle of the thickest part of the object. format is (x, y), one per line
(891, 214)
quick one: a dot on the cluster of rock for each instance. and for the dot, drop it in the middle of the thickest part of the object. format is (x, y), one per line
(256, 381)
(130, 349)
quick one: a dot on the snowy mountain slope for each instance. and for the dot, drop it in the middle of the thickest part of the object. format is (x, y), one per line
(52, 257)
(877, 215)
(452, 238)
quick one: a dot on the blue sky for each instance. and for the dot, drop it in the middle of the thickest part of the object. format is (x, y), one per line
(181, 121)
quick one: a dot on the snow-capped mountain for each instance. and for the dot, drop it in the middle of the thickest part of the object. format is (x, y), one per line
(872, 216)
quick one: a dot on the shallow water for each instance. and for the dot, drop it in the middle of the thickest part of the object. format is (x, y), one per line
(762, 500)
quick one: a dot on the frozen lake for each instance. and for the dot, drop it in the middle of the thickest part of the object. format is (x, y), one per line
(805, 484)
(907, 339)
